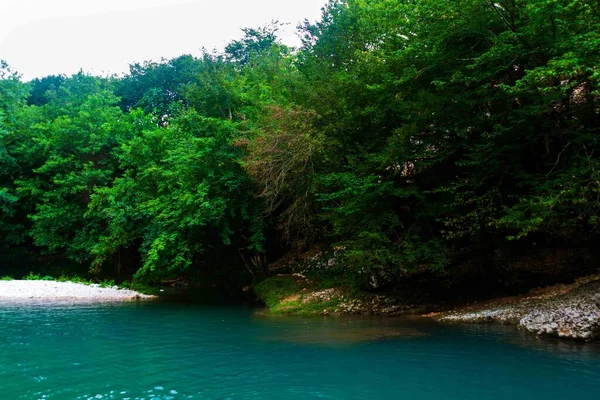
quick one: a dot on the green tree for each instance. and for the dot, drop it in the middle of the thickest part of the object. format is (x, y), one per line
(67, 149)
(12, 99)
(184, 200)
(452, 126)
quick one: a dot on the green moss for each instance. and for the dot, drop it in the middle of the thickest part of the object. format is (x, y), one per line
(273, 290)
(286, 295)
(298, 307)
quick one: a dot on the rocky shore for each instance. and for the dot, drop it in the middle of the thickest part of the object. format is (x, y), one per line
(565, 311)
(22, 291)
(362, 303)
(295, 294)
(569, 311)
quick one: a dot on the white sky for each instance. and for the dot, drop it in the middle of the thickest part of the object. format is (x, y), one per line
(43, 37)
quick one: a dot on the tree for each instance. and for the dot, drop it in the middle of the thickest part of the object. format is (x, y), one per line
(12, 100)
(67, 149)
(184, 200)
(41, 86)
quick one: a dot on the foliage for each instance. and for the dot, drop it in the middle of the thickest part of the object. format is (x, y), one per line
(67, 151)
(413, 134)
(460, 125)
(183, 195)
(281, 161)
(37, 277)
(12, 98)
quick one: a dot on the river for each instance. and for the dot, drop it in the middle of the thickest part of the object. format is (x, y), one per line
(178, 351)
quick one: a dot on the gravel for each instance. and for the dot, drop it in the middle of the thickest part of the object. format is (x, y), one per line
(65, 291)
(564, 311)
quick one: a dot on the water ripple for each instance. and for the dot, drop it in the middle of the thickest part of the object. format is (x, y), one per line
(158, 351)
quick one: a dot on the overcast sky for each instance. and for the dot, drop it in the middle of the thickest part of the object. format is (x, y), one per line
(43, 37)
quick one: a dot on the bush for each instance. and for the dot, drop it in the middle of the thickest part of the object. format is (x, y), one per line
(32, 277)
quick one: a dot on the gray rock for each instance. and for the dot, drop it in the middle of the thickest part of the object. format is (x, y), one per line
(564, 311)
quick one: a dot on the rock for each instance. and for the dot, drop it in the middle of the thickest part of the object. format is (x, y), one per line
(582, 323)
(563, 311)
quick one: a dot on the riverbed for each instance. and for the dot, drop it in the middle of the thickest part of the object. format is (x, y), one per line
(182, 351)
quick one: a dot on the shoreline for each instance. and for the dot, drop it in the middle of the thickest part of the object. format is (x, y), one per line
(52, 291)
(566, 311)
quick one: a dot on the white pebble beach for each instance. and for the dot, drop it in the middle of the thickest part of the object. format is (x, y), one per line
(65, 291)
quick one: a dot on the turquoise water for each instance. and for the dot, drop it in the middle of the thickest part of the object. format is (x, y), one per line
(161, 351)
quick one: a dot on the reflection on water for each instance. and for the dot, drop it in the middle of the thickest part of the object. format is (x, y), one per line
(565, 349)
(341, 331)
(161, 351)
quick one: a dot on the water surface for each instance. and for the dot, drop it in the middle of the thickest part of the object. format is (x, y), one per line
(164, 351)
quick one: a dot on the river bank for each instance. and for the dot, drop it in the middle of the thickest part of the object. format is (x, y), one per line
(568, 311)
(65, 291)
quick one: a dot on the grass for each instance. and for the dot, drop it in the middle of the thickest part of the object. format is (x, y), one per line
(37, 277)
(75, 279)
(63, 278)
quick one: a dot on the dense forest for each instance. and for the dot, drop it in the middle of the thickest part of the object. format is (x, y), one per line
(407, 135)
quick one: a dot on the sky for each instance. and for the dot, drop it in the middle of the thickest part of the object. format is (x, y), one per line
(45, 37)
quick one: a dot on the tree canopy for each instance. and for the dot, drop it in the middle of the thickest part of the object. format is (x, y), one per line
(413, 134)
